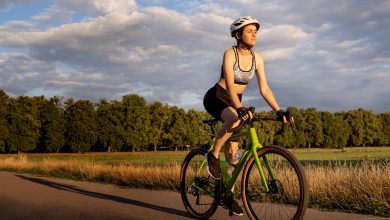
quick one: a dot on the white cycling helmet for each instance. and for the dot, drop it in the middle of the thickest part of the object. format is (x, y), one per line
(241, 22)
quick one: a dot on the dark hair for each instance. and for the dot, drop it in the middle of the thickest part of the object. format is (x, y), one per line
(239, 32)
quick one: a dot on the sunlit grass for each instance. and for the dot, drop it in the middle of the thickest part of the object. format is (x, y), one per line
(141, 175)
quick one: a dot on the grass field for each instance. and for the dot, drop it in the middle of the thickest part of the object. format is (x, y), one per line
(346, 154)
(352, 179)
(168, 158)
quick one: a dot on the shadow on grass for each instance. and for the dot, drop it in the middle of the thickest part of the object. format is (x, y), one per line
(98, 195)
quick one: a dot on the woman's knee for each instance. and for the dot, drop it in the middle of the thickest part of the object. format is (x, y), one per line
(229, 116)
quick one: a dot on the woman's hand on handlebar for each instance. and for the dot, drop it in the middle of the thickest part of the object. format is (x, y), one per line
(245, 113)
(249, 116)
(285, 117)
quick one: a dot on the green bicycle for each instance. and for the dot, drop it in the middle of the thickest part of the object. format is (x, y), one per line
(273, 182)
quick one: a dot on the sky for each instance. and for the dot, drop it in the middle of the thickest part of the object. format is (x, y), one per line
(329, 55)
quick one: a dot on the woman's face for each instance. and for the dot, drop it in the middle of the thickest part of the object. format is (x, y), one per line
(249, 34)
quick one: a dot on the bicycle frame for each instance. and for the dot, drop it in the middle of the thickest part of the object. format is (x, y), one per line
(252, 145)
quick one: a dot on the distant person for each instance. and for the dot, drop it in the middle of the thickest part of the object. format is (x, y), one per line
(223, 101)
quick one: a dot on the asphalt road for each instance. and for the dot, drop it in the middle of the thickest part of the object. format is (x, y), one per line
(24, 196)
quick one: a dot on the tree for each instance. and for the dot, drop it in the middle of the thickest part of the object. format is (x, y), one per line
(117, 139)
(4, 132)
(24, 123)
(136, 122)
(197, 133)
(81, 125)
(109, 126)
(335, 130)
(343, 130)
(158, 120)
(312, 127)
(385, 129)
(177, 132)
(298, 128)
(37, 124)
(329, 129)
(52, 134)
(356, 123)
(104, 125)
(372, 129)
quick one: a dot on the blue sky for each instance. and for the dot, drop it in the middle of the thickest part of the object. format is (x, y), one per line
(333, 57)
(21, 11)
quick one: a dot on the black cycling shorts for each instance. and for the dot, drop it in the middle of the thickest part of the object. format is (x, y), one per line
(213, 105)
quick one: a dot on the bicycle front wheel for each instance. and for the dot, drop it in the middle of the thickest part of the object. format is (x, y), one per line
(287, 197)
(198, 189)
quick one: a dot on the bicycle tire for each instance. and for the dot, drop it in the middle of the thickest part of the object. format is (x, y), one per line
(199, 193)
(288, 195)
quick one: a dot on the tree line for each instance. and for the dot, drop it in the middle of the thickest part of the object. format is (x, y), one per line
(37, 124)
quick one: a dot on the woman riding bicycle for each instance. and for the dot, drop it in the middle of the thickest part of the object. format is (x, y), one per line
(223, 101)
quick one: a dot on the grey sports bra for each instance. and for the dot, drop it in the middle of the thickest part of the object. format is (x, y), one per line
(240, 76)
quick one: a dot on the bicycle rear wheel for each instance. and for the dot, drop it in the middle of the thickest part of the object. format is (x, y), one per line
(287, 197)
(198, 189)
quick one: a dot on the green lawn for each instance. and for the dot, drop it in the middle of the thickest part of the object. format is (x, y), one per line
(168, 158)
(346, 154)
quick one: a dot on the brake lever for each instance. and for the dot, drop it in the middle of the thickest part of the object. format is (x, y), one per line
(289, 121)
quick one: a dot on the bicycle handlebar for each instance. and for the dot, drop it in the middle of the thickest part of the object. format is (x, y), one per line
(258, 117)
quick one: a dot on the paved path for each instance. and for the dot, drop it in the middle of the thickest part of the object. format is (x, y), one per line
(24, 196)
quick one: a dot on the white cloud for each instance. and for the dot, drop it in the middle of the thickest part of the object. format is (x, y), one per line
(99, 7)
(283, 35)
(277, 54)
(115, 6)
(138, 54)
(244, 1)
(280, 41)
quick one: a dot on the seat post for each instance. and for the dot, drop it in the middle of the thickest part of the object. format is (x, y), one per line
(211, 123)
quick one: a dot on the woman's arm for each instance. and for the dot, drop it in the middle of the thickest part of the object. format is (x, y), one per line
(264, 88)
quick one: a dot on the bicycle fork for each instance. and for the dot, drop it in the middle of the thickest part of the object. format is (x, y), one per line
(255, 147)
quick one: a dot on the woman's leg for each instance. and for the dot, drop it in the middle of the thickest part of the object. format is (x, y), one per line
(229, 120)
(231, 148)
